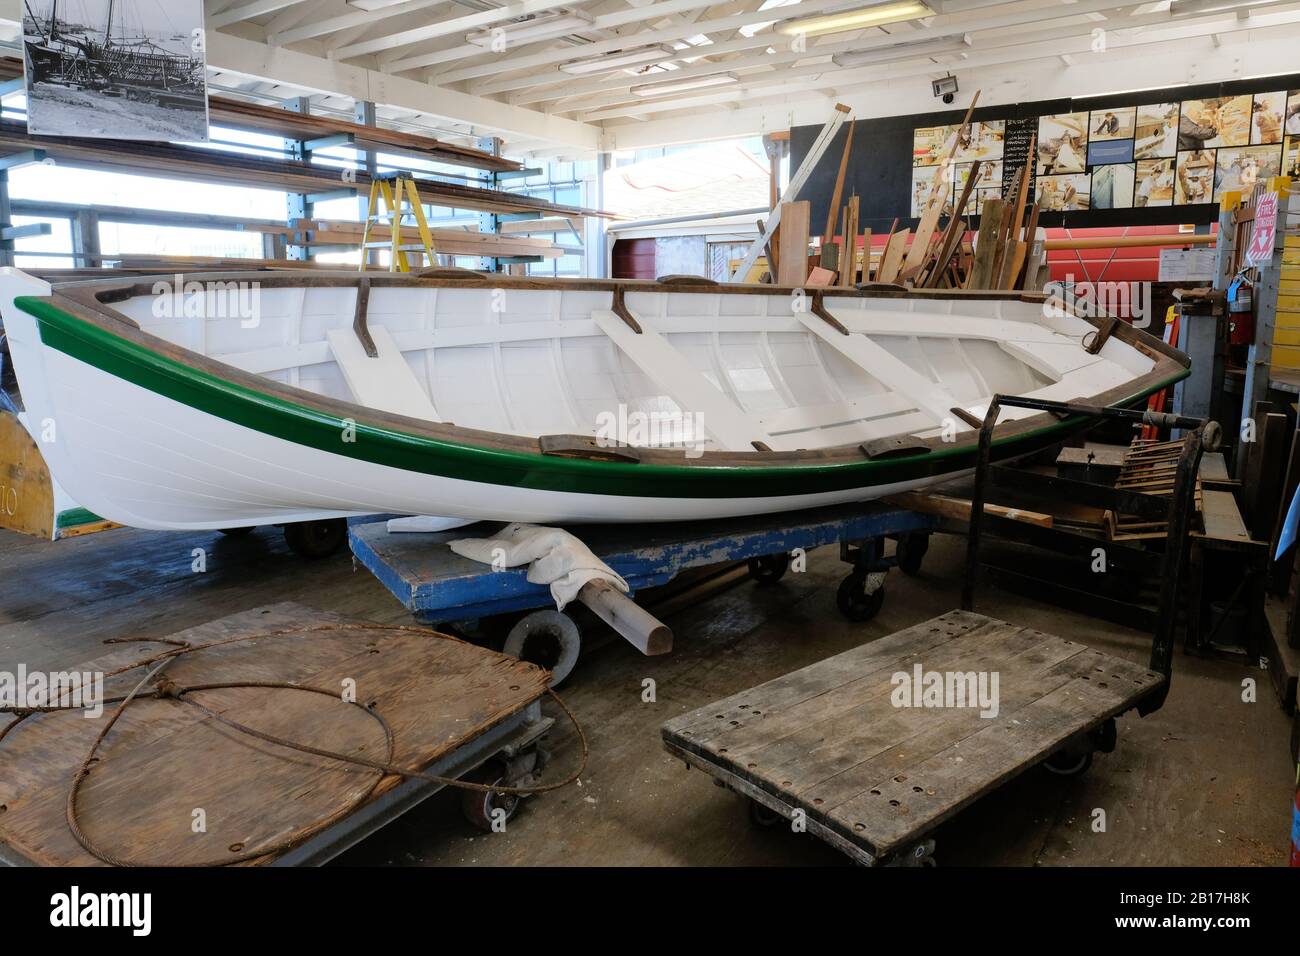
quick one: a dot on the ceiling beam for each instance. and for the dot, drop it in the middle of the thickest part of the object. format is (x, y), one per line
(607, 89)
(442, 28)
(346, 21)
(676, 31)
(259, 60)
(1078, 47)
(247, 11)
(1159, 27)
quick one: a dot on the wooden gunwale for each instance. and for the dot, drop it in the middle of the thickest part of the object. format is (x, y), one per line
(88, 301)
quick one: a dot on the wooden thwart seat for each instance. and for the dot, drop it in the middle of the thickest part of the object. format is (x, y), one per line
(734, 428)
(385, 382)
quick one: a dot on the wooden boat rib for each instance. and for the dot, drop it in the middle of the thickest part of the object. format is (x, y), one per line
(485, 397)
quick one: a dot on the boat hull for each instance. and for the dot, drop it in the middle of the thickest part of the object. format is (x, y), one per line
(142, 438)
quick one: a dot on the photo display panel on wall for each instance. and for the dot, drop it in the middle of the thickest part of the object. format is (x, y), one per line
(1182, 153)
(1151, 157)
(120, 69)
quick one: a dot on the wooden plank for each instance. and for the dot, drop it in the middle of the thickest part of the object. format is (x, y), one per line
(385, 382)
(786, 733)
(820, 278)
(959, 509)
(883, 655)
(1033, 252)
(939, 786)
(176, 161)
(986, 245)
(892, 260)
(793, 252)
(953, 233)
(734, 428)
(1268, 462)
(163, 758)
(1222, 518)
(934, 206)
(1214, 471)
(833, 213)
(26, 488)
(852, 764)
(849, 245)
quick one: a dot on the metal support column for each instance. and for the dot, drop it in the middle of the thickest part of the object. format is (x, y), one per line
(596, 225)
(1260, 357)
(85, 239)
(299, 205)
(487, 221)
(368, 161)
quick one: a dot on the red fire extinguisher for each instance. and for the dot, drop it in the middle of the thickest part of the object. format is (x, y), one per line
(1241, 311)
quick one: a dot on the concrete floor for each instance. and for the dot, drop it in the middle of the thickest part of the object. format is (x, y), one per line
(1207, 780)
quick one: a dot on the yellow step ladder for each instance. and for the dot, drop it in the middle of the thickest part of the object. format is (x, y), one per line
(401, 199)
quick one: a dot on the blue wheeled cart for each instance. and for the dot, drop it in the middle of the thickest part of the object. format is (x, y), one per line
(436, 585)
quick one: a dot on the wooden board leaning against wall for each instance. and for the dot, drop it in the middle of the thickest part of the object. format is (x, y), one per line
(938, 255)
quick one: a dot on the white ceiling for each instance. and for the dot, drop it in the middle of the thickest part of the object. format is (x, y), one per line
(413, 58)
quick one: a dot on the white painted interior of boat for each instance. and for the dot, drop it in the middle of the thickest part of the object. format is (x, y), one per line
(755, 367)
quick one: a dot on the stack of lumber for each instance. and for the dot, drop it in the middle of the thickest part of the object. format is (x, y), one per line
(936, 256)
(451, 242)
(173, 161)
(1149, 468)
(259, 118)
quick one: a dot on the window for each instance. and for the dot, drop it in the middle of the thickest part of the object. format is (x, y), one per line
(45, 252)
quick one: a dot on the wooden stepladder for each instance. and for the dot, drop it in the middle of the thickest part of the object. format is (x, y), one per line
(401, 200)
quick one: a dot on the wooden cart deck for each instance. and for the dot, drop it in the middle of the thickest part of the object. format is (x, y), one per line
(163, 760)
(874, 778)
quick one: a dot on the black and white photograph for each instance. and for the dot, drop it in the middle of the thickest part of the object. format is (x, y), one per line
(121, 69)
(639, 447)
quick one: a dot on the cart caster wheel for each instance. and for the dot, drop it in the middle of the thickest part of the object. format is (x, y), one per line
(855, 601)
(1105, 736)
(911, 552)
(237, 532)
(548, 639)
(1068, 763)
(479, 806)
(763, 817)
(769, 568)
(316, 539)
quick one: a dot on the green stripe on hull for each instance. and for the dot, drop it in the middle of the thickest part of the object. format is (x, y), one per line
(300, 425)
(75, 518)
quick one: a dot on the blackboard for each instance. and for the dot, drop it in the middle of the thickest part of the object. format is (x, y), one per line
(880, 164)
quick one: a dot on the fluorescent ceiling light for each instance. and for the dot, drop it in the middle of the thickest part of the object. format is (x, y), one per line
(694, 83)
(1179, 7)
(621, 59)
(373, 4)
(877, 16)
(1139, 89)
(533, 29)
(900, 51)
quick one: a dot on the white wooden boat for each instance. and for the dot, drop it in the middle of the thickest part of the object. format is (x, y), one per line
(492, 397)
